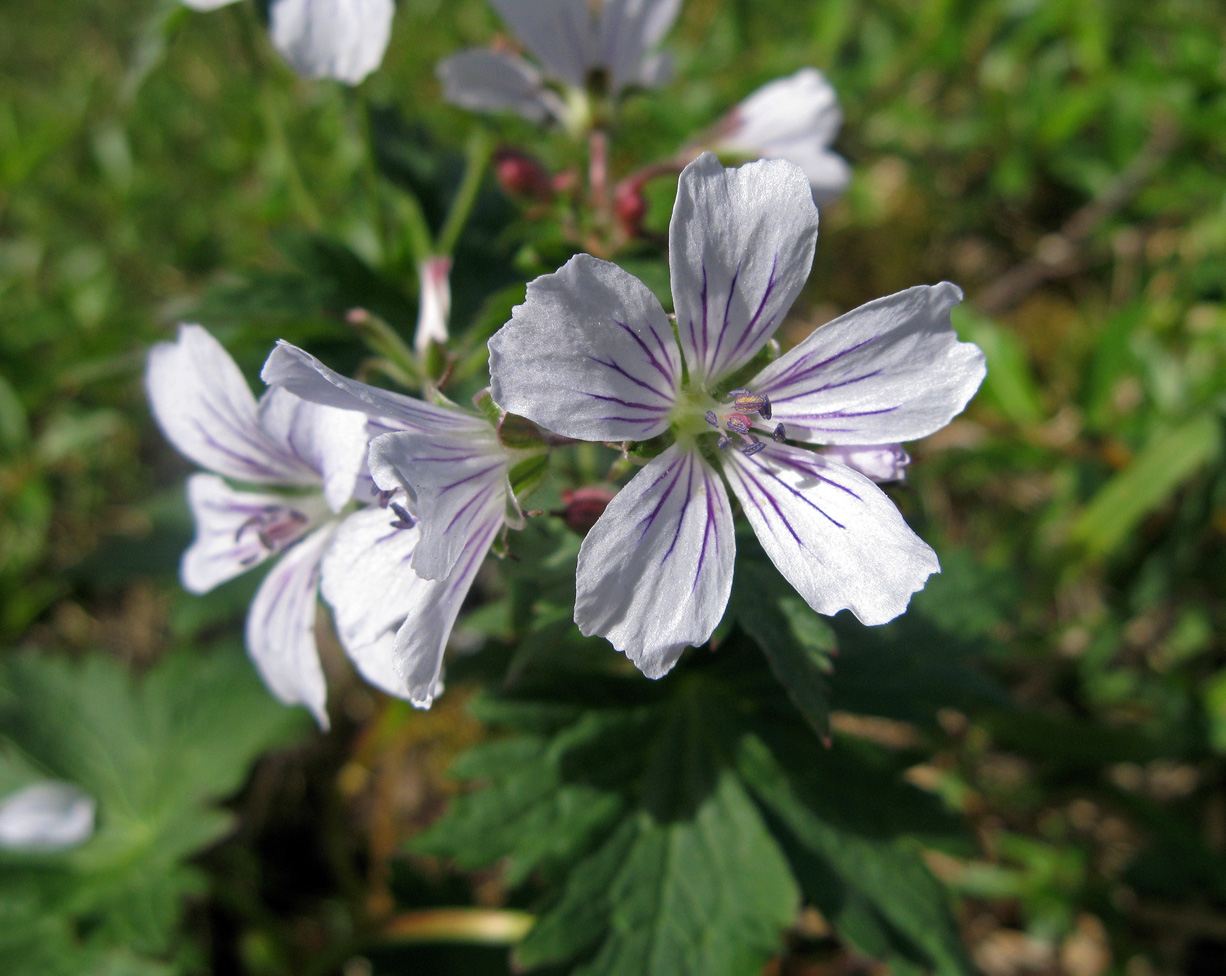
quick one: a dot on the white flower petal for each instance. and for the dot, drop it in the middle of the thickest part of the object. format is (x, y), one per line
(367, 578)
(281, 626)
(834, 535)
(740, 247)
(801, 107)
(430, 613)
(207, 4)
(877, 462)
(456, 484)
(238, 530)
(889, 371)
(47, 816)
(590, 354)
(628, 29)
(341, 39)
(330, 441)
(655, 571)
(434, 302)
(559, 33)
(492, 81)
(206, 410)
(305, 376)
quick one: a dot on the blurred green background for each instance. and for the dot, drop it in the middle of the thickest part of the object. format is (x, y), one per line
(1064, 161)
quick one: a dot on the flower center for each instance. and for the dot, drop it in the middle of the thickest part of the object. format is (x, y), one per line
(735, 421)
(274, 527)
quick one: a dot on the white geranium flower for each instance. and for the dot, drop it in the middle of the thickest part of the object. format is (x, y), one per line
(606, 45)
(396, 591)
(46, 816)
(206, 410)
(794, 118)
(341, 39)
(592, 355)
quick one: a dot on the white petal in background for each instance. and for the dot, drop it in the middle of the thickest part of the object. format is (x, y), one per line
(655, 571)
(794, 118)
(281, 626)
(305, 376)
(877, 462)
(206, 410)
(590, 354)
(558, 33)
(889, 371)
(341, 39)
(456, 483)
(47, 816)
(491, 81)
(206, 4)
(740, 248)
(330, 441)
(833, 534)
(229, 524)
(628, 30)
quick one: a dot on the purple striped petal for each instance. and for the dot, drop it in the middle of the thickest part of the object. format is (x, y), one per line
(889, 371)
(205, 408)
(238, 530)
(456, 485)
(305, 376)
(281, 627)
(655, 571)
(590, 354)
(835, 536)
(740, 246)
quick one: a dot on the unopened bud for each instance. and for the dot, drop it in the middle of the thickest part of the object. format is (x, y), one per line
(522, 175)
(630, 206)
(879, 462)
(584, 506)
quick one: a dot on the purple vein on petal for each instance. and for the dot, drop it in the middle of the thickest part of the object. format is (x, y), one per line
(631, 404)
(798, 370)
(630, 376)
(707, 530)
(723, 329)
(799, 494)
(476, 474)
(650, 518)
(689, 493)
(750, 334)
(476, 499)
(666, 373)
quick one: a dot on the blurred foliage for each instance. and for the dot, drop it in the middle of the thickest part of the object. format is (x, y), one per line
(1062, 687)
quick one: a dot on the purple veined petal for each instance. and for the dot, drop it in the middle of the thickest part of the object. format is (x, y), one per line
(281, 626)
(833, 534)
(456, 485)
(560, 34)
(341, 39)
(367, 576)
(206, 410)
(740, 248)
(238, 530)
(628, 30)
(329, 441)
(305, 376)
(589, 354)
(889, 371)
(655, 571)
(50, 815)
(486, 80)
(431, 613)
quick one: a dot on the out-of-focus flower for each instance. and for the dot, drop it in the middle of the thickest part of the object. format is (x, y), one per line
(341, 39)
(434, 302)
(584, 46)
(396, 590)
(47, 816)
(794, 118)
(206, 410)
(880, 462)
(592, 355)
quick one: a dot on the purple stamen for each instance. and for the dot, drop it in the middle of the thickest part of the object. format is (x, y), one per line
(712, 419)
(749, 450)
(779, 434)
(738, 424)
(765, 410)
(274, 526)
(403, 519)
(723, 442)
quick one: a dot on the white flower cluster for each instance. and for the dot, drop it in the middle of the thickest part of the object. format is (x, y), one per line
(387, 505)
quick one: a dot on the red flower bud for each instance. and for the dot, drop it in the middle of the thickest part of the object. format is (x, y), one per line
(584, 506)
(521, 175)
(630, 207)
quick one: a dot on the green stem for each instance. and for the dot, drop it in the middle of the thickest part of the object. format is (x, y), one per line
(477, 157)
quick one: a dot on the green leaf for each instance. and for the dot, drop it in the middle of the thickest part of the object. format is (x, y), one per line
(796, 641)
(157, 755)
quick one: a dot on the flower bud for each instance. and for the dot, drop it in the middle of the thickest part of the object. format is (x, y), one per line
(630, 206)
(879, 462)
(584, 506)
(522, 175)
